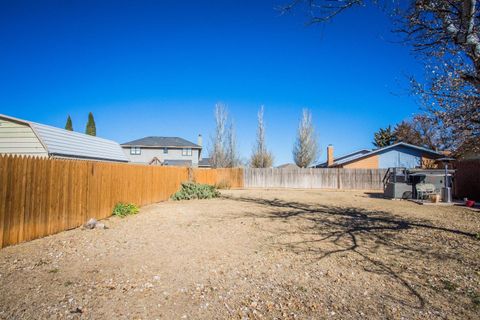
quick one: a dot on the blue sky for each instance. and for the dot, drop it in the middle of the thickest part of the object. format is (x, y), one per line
(158, 68)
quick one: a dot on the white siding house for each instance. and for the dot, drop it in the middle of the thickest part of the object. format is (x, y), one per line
(167, 151)
(19, 138)
(23, 137)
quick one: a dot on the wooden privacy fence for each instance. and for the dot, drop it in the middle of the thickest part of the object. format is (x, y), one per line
(348, 179)
(231, 177)
(40, 196)
(467, 179)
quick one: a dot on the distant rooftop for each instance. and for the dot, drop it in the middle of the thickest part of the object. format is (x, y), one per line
(344, 157)
(63, 143)
(161, 142)
(366, 153)
(205, 162)
(379, 150)
(288, 166)
(178, 163)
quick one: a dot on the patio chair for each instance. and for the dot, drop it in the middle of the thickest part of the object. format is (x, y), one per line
(424, 190)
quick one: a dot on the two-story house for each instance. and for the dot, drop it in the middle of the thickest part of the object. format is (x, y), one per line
(167, 151)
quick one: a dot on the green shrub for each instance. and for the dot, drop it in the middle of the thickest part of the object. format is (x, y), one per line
(125, 209)
(192, 190)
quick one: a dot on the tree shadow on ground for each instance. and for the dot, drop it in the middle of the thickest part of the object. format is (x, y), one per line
(375, 195)
(386, 244)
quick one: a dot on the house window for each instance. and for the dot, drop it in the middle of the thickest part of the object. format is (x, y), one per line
(165, 150)
(135, 150)
(187, 152)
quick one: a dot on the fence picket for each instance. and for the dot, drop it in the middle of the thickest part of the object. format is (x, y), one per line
(348, 179)
(39, 196)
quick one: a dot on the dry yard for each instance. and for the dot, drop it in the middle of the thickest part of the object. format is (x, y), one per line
(258, 254)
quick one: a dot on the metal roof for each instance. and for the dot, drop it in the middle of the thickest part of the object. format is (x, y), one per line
(360, 156)
(63, 143)
(161, 142)
(345, 157)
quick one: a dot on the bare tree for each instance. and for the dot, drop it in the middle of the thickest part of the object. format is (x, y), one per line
(218, 154)
(224, 147)
(445, 36)
(420, 131)
(261, 157)
(305, 149)
(232, 159)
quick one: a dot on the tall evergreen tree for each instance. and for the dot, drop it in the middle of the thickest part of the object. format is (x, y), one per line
(384, 137)
(69, 125)
(91, 128)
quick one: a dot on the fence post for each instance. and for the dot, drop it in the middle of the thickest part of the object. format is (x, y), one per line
(190, 175)
(338, 178)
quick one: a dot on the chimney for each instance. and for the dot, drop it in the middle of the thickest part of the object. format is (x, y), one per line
(329, 155)
(200, 143)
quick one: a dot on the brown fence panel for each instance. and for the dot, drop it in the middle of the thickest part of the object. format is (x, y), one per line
(40, 196)
(229, 178)
(467, 179)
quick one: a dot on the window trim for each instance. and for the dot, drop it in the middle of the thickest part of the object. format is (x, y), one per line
(135, 150)
(187, 152)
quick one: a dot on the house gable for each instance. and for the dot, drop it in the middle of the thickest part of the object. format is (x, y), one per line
(370, 162)
(400, 156)
(19, 138)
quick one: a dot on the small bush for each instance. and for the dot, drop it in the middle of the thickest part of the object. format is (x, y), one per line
(448, 285)
(192, 190)
(125, 209)
(223, 184)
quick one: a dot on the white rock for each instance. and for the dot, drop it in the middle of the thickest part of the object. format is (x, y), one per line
(100, 226)
(91, 223)
(148, 285)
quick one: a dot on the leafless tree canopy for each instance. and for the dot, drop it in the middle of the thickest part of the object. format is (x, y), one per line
(224, 146)
(233, 158)
(419, 131)
(445, 35)
(261, 157)
(305, 149)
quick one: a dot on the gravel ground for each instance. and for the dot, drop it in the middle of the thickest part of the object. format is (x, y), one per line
(255, 254)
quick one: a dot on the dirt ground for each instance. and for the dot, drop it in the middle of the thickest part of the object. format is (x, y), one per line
(255, 254)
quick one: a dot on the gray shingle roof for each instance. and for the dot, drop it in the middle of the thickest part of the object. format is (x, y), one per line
(161, 142)
(178, 163)
(70, 144)
(205, 162)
